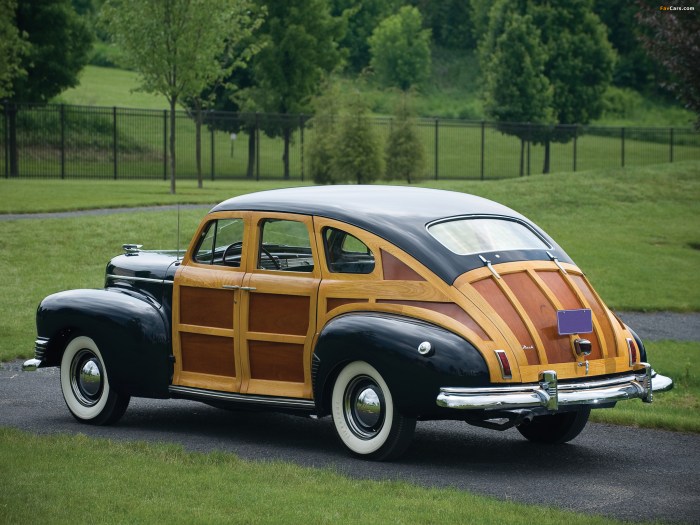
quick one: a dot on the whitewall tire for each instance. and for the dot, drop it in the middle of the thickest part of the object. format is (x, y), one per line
(365, 416)
(85, 384)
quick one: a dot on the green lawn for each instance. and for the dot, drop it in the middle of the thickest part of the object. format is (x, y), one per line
(69, 479)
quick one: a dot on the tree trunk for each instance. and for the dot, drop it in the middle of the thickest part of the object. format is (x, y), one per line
(522, 157)
(250, 172)
(285, 155)
(545, 168)
(173, 102)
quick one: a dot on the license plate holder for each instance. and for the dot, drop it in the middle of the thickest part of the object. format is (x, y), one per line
(571, 322)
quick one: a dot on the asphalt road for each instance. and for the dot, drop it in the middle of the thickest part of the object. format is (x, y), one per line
(616, 471)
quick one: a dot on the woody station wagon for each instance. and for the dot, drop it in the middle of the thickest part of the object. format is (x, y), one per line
(376, 305)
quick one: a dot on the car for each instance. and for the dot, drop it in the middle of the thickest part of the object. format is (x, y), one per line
(376, 305)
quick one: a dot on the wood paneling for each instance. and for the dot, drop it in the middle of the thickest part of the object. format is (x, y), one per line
(336, 302)
(207, 354)
(449, 309)
(599, 313)
(396, 270)
(206, 307)
(543, 315)
(279, 314)
(499, 302)
(276, 361)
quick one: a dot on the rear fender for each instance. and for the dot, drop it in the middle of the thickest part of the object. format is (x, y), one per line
(133, 335)
(390, 344)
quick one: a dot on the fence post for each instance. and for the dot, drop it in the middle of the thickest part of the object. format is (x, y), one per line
(670, 146)
(165, 144)
(114, 139)
(301, 132)
(437, 124)
(622, 136)
(62, 120)
(483, 137)
(6, 141)
(529, 141)
(213, 152)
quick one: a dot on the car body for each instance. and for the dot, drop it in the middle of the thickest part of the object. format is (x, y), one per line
(378, 305)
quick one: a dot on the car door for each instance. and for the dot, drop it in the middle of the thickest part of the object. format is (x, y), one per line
(280, 291)
(206, 305)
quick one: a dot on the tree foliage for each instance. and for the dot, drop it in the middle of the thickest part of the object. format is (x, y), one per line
(400, 50)
(12, 47)
(357, 155)
(680, 53)
(179, 47)
(58, 43)
(404, 153)
(361, 17)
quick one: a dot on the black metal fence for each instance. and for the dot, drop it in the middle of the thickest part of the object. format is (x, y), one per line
(62, 141)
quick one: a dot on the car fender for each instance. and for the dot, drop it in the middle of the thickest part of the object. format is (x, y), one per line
(132, 332)
(390, 343)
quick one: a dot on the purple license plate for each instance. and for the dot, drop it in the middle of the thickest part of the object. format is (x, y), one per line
(574, 321)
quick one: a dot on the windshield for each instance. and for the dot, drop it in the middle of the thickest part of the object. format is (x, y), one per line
(485, 234)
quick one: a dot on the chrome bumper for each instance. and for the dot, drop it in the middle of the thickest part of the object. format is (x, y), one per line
(550, 394)
(40, 346)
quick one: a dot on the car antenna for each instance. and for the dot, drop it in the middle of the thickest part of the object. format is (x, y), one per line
(178, 232)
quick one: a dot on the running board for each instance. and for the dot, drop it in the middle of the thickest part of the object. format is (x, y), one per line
(269, 402)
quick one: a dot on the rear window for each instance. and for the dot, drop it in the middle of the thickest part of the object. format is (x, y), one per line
(485, 234)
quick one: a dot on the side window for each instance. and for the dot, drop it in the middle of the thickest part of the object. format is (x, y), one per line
(285, 246)
(346, 253)
(221, 243)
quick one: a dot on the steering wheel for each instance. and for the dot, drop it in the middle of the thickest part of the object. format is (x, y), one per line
(236, 244)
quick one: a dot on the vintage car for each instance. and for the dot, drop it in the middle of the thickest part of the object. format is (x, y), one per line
(376, 305)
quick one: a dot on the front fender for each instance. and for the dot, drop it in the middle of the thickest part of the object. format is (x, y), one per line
(132, 333)
(390, 344)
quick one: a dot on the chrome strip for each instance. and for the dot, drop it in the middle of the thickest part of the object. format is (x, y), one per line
(282, 402)
(137, 279)
(550, 394)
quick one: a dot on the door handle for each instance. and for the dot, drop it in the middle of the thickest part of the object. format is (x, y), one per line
(248, 288)
(231, 287)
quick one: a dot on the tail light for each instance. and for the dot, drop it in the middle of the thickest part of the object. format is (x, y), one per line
(505, 364)
(633, 351)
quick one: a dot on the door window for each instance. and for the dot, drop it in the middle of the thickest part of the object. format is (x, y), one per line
(285, 246)
(221, 243)
(346, 253)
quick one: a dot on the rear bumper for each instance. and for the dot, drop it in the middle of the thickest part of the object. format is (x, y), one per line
(550, 394)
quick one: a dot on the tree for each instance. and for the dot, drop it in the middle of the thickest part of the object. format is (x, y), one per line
(58, 43)
(680, 53)
(299, 48)
(400, 50)
(177, 46)
(579, 60)
(450, 22)
(357, 153)
(324, 123)
(516, 88)
(404, 153)
(12, 47)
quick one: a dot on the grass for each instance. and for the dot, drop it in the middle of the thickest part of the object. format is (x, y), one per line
(106, 86)
(678, 409)
(55, 480)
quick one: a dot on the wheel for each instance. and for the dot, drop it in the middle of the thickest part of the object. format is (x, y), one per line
(557, 428)
(85, 384)
(365, 417)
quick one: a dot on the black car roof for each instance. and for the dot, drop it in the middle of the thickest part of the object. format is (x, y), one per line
(398, 214)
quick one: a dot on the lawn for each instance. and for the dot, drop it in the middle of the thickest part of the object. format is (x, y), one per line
(61, 479)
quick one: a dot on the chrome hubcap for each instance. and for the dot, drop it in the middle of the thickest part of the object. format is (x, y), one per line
(364, 407)
(86, 378)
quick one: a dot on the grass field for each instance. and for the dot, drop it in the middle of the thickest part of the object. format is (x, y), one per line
(64, 479)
